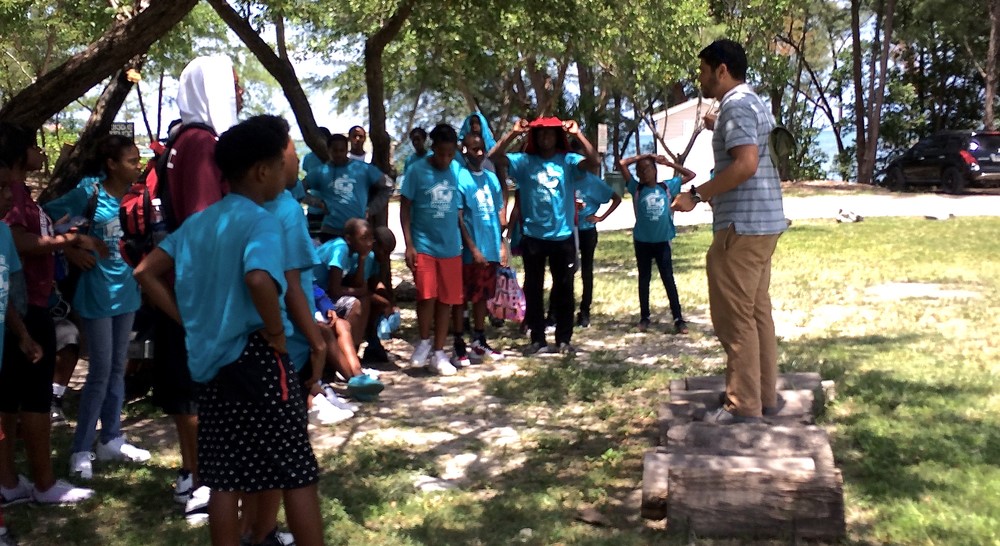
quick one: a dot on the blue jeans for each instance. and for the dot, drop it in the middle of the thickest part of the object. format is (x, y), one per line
(645, 255)
(104, 392)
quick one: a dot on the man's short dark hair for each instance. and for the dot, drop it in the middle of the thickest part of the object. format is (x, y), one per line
(418, 131)
(356, 127)
(444, 134)
(336, 137)
(729, 53)
(260, 138)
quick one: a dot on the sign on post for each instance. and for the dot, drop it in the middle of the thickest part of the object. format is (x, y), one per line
(602, 138)
(123, 128)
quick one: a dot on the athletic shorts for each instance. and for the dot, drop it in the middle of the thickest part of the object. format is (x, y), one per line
(439, 278)
(24, 385)
(173, 389)
(252, 425)
(480, 281)
(66, 333)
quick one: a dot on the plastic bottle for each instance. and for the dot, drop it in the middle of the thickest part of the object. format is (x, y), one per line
(159, 225)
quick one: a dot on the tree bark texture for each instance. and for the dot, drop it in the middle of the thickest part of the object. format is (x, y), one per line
(56, 89)
(375, 82)
(67, 172)
(991, 64)
(282, 71)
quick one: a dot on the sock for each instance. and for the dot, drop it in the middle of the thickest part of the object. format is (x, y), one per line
(58, 390)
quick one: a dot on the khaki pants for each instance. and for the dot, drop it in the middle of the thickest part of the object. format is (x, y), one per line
(739, 275)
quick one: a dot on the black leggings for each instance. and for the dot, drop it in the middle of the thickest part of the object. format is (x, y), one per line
(588, 244)
(645, 254)
(561, 256)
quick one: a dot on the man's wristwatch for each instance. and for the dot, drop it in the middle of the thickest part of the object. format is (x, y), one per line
(695, 195)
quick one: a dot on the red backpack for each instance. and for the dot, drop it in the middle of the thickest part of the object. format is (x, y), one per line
(145, 212)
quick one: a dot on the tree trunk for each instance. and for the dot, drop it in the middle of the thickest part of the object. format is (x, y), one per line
(617, 131)
(59, 87)
(282, 71)
(67, 172)
(991, 64)
(375, 82)
(859, 89)
(866, 171)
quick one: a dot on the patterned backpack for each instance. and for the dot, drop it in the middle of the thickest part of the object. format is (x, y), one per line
(508, 301)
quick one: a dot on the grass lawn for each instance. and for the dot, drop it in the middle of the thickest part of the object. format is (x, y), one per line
(902, 313)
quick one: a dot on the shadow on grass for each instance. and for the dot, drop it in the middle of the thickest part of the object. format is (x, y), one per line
(902, 410)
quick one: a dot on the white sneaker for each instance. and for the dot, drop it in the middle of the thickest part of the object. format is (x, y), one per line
(183, 487)
(196, 508)
(323, 412)
(421, 353)
(337, 401)
(62, 492)
(120, 450)
(441, 365)
(80, 465)
(17, 494)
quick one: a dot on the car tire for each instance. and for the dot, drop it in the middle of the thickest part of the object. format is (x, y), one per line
(953, 181)
(895, 180)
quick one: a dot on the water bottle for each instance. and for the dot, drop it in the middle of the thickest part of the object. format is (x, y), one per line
(159, 225)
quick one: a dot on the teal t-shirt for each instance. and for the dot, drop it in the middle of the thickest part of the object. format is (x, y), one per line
(344, 189)
(434, 210)
(413, 158)
(481, 202)
(594, 192)
(213, 250)
(300, 255)
(9, 263)
(108, 289)
(547, 199)
(336, 253)
(654, 221)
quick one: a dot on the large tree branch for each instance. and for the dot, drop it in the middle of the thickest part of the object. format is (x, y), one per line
(59, 87)
(281, 69)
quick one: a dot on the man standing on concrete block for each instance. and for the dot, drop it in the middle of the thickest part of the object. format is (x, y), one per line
(745, 195)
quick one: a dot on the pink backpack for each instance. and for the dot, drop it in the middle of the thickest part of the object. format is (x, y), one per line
(508, 301)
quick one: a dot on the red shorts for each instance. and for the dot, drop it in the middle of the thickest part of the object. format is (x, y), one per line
(439, 278)
(480, 281)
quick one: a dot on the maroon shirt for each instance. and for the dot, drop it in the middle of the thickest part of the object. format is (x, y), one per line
(194, 179)
(39, 270)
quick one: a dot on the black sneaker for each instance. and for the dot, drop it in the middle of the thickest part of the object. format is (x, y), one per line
(536, 348)
(8, 539)
(643, 325)
(56, 415)
(274, 538)
(566, 349)
(680, 327)
(583, 320)
(461, 358)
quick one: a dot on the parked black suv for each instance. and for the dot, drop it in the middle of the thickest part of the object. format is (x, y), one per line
(949, 159)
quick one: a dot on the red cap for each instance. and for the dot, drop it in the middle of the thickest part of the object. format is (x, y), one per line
(562, 142)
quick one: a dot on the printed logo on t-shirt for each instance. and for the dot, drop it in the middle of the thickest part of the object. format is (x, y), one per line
(4, 286)
(44, 224)
(655, 204)
(441, 198)
(343, 189)
(112, 234)
(484, 200)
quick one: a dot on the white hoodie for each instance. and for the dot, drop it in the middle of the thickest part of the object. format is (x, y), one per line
(207, 93)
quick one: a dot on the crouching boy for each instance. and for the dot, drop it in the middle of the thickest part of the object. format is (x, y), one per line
(228, 263)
